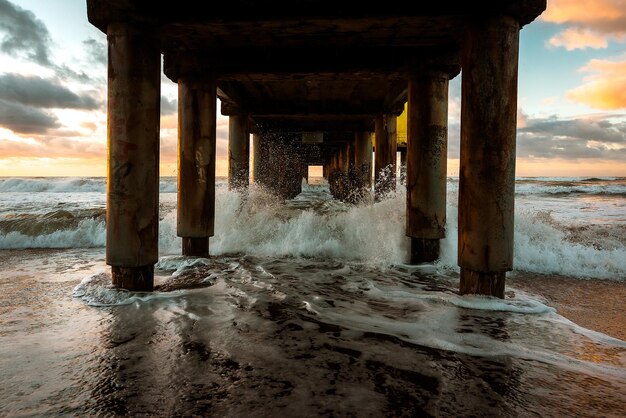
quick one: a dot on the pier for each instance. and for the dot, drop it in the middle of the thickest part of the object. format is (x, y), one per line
(314, 82)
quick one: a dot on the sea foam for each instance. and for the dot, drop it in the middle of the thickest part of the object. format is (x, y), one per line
(372, 233)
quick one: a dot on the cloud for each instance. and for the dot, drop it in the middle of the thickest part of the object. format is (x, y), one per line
(39, 92)
(578, 138)
(605, 88)
(522, 118)
(96, 50)
(66, 72)
(578, 38)
(596, 137)
(23, 35)
(168, 107)
(25, 119)
(591, 23)
(52, 147)
(605, 16)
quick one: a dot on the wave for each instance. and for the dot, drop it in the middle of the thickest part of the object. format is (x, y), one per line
(372, 233)
(605, 186)
(556, 190)
(608, 186)
(562, 187)
(87, 233)
(68, 185)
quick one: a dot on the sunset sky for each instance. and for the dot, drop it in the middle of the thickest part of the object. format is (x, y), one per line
(572, 93)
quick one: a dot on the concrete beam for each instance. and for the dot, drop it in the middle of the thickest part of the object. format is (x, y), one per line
(134, 94)
(311, 122)
(487, 168)
(252, 21)
(347, 107)
(313, 63)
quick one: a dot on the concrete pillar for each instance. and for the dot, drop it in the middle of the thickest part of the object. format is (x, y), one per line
(344, 169)
(402, 152)
(356, 167)
(363, 157)
(238, 152)
(281, 168)
(256, 157)
(487, 168)
(339, 173)
(426, 171)
(385, 155)
(332, 172)
(264, 170)
(197, 103)
(134, 97)
(344, 181)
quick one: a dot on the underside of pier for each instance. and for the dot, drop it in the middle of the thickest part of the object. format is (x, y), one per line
(316, 83)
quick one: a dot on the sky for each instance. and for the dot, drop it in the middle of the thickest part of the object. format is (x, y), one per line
(571, 93)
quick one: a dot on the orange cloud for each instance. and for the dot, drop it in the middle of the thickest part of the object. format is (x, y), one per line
(169, 121)
(605, 88)
(601, 15)
(592, 23)
(577, 38)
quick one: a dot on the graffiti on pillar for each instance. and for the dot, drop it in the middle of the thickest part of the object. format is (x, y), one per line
(201, 157)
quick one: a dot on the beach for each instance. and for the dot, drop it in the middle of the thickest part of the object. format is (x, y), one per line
(595, 304)
(308, 308)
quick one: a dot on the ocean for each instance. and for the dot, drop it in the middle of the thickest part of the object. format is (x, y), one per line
(307, 308)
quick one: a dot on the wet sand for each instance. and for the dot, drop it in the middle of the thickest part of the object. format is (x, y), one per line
(599, 305)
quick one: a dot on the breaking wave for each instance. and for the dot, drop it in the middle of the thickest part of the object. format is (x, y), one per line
(316, 226)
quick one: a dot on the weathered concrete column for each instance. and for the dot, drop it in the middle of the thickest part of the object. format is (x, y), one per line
(363, 157)
(335, 175)
(426, 170)
(238, 152)
(402, 152)
(385, 155)
(197, 103)
(134, 95)
(487, 170)
(256, 157)
(281, 169)
(264, 171)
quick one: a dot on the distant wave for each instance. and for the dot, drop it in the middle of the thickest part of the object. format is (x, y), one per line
(67, 185)
(573, 191)
(615, 187)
